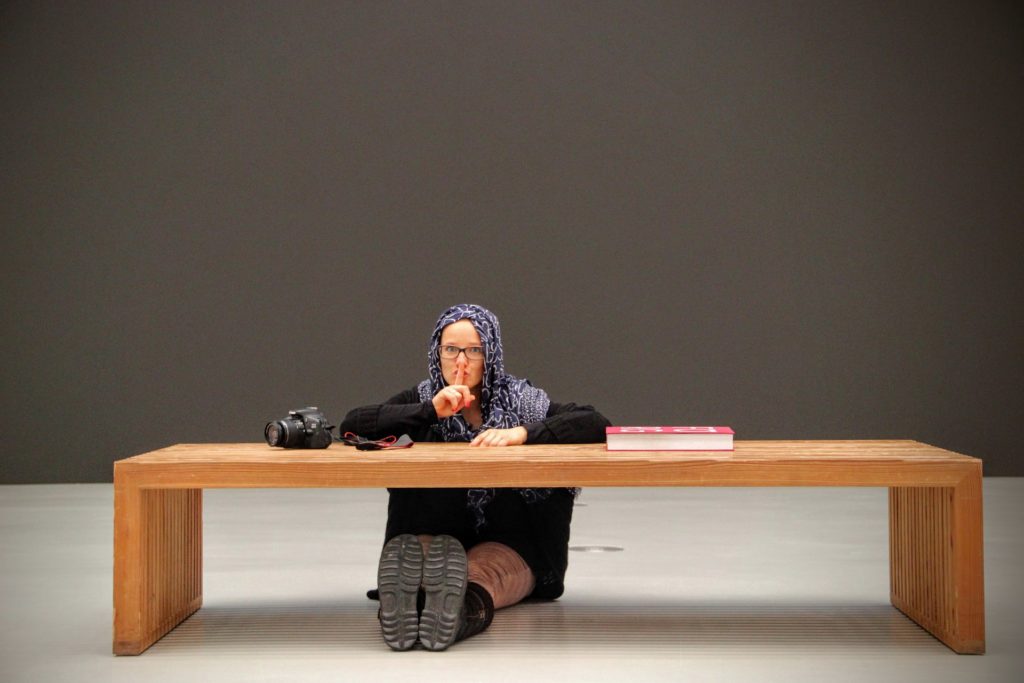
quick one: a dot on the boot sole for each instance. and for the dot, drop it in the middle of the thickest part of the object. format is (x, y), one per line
(444, 580)
(398, 580)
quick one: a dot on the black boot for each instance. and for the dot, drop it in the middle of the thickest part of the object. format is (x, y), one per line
(444, 580)
(475, 616)
(398, 583)
(477, 612)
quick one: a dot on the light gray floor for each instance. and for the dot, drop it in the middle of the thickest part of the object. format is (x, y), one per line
(711, 584)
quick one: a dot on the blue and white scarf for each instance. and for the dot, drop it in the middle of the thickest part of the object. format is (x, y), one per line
(505, 401)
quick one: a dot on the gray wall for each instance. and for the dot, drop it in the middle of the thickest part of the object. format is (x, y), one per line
(796, 219)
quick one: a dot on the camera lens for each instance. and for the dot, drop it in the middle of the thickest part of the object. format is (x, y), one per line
(286, 433)
(274, 433)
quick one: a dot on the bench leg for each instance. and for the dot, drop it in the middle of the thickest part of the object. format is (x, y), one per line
(935, 560)
(158, 565)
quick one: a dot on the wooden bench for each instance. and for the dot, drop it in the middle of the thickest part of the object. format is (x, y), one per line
(935, 512)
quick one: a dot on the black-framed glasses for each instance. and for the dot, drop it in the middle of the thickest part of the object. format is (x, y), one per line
(472, 352)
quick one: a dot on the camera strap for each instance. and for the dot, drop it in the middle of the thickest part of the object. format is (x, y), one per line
(363, 444)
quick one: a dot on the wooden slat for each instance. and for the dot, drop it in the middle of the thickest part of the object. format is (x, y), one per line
(967, 559)
(936, 560)
(157, 562)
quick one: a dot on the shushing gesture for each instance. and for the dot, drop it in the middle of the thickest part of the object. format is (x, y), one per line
(454, 397)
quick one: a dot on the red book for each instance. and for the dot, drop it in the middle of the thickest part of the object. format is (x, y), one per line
(669, 438)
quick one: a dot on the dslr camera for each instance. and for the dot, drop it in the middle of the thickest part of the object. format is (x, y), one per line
(306, 428)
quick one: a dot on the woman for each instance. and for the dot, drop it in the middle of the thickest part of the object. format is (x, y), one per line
(430, 588)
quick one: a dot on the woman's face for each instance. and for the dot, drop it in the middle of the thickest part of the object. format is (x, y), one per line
(463, 335)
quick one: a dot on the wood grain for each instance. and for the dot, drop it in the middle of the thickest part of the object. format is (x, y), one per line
(936, 562)
(158, 577)
(753, 463)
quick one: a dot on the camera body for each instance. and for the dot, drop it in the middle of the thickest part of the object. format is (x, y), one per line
(306, 428)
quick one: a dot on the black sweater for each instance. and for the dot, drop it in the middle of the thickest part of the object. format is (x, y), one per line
(405, 413)
(538, 531)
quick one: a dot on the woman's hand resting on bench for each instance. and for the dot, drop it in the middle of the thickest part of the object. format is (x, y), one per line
(500, 437)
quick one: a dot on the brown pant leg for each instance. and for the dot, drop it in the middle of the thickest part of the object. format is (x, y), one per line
(425, 540)
(501, 571)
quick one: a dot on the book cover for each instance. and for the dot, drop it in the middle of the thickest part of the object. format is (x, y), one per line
(669, 438)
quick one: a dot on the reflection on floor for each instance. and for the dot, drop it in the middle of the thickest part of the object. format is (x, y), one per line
(709, 584)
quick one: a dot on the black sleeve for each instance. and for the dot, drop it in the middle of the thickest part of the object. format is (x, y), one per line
(403, 413)
(568, 423)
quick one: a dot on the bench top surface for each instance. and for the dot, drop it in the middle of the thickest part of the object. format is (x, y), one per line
(752, 463)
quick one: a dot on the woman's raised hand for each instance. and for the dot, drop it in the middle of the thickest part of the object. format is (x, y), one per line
(454, 397)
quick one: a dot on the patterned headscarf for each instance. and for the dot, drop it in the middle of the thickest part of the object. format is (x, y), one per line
(505, 401)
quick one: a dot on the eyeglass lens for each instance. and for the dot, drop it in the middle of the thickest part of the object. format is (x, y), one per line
(472, 352)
